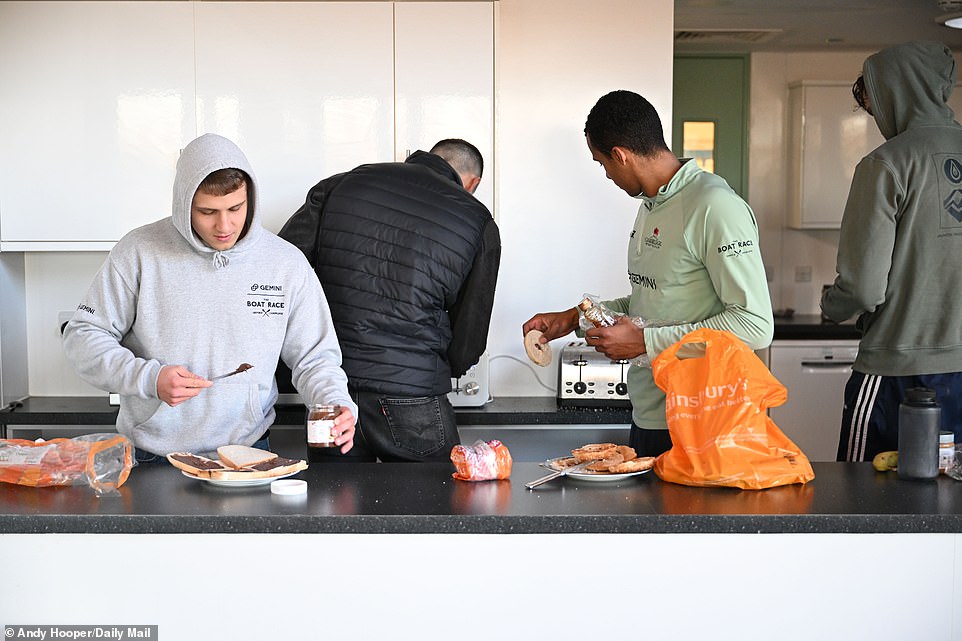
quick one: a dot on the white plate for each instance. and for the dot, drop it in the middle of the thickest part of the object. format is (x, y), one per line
(588, 475)
(239, 482)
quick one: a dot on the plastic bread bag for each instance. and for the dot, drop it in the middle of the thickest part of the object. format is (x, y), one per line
(604, 317)
(102, 461)
(483, 461)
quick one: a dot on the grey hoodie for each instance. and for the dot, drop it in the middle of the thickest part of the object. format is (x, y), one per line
(163, 297)
(900, 248)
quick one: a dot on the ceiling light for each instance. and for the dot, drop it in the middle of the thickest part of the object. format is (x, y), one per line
(951, 20)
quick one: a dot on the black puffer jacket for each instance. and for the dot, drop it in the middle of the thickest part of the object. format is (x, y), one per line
(408, 260)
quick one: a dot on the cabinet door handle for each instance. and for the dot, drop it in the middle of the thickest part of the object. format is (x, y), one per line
(828, 365)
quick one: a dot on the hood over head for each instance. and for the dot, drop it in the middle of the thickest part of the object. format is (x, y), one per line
(908, 86)
(200, 158)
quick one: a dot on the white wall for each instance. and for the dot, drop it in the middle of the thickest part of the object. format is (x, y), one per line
(563, 224)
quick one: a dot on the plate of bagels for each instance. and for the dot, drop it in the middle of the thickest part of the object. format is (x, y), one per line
(236, 466)
(606, 462)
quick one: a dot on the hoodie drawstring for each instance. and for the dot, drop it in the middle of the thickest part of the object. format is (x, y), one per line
(220, 260)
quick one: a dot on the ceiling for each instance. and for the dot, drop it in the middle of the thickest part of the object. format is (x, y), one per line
(726, 26)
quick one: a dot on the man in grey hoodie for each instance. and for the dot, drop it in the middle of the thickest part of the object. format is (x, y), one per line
(193, 296)
(900, 249)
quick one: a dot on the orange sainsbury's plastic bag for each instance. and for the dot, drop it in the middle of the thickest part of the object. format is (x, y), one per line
(717, 393)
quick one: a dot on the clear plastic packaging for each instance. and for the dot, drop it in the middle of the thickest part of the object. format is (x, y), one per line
(954, 470)
(593, 313)
(102, 461)
(483, 461)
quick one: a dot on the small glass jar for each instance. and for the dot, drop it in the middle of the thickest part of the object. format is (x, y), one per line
(595, 314)
(320, 421)
(946, 450)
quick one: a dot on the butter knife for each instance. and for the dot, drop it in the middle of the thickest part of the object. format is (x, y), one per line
(563, 472)
(243, 367)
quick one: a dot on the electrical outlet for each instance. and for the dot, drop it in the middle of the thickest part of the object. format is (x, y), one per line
(471, 390)
(803, 274)
(62, 318)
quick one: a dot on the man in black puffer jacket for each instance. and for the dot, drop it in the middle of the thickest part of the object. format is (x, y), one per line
(408, 259)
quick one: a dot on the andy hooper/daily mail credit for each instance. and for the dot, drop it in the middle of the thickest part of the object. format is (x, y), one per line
(54, 632)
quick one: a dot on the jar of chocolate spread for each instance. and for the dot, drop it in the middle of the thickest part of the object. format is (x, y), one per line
(320, 421)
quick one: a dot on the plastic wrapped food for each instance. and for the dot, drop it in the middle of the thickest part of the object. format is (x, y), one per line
(593, 313)
(483, 461)
(102, 461)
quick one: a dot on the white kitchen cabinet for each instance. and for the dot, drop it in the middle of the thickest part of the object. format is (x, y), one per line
(93, 118)
(444, 57)
(827, 139)
(97, 99)
(828, 136)
(306, 89)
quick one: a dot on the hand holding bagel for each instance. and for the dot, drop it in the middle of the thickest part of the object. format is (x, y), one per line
(538, 351)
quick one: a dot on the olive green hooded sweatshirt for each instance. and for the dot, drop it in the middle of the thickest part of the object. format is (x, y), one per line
(900, 249)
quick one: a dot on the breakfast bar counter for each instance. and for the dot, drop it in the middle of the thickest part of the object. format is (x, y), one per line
(392, 551)
(423, 498)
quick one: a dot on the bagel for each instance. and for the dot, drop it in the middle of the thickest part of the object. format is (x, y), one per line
(634, 465)
(628, 452)
(605, 465)
(594, 451)
(565, 463)
(538, 352)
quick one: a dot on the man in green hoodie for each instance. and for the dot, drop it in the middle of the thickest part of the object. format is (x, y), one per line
(900, 250)
(693, 258)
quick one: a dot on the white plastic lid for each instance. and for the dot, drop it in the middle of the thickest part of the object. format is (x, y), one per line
(288, 487)
(946, 437)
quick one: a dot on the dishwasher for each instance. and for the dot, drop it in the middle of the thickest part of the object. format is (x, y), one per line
(815, 373)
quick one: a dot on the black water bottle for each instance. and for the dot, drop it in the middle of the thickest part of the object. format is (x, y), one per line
(920, 419)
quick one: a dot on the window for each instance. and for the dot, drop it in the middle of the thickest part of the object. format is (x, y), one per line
(699, 143)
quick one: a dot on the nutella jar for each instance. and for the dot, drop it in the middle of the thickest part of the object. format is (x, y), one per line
(320, 420)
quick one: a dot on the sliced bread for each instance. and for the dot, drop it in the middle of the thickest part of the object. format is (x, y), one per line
(238, 456)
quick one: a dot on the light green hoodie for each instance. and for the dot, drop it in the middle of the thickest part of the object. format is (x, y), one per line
(163, 297)
(900, 247)
(693, 262)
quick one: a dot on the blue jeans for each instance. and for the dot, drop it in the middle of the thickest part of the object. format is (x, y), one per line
(143, 457)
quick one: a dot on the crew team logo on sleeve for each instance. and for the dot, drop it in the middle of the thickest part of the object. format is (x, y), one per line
(737, 248)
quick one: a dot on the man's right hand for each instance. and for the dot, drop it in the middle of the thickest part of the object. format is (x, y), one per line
(552, 324)
(177, 384)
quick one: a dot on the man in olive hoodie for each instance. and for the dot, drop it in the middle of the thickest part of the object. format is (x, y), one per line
(900, 249)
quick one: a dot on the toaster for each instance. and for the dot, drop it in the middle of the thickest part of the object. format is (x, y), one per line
(588, 378)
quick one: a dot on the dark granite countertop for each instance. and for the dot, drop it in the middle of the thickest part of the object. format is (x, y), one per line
(423, 498)
(812, 327)
(512, 410)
